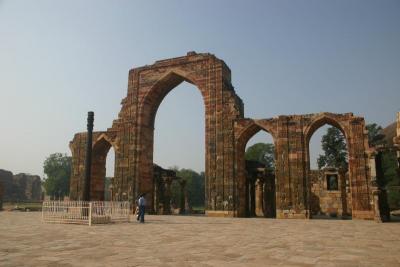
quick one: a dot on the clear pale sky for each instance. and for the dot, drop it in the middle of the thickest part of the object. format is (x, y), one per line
(60, 59)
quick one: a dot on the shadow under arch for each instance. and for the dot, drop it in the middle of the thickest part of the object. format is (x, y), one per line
(243, 138)
(100, 149)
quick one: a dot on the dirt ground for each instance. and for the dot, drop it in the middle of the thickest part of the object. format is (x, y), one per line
(198, 241)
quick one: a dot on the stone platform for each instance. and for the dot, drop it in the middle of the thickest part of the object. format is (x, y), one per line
(198, 241)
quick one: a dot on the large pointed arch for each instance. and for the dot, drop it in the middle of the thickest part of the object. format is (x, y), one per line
(161, 88)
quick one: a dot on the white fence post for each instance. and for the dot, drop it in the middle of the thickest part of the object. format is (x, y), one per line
(90, 213)
(43, 207)
(84, 212)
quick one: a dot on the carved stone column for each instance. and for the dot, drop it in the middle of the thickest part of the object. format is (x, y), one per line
(269, 196)
(343, 192)
(252, 200)
(182, 205)
(259, 196)
(167, 195)
(379, 195)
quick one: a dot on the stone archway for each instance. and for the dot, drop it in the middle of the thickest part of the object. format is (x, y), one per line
(133, 131)
(226, 133)
(357, 145)
(102, 142)
(245, 129)
(324, 200)
(147, 87)
(100, 150)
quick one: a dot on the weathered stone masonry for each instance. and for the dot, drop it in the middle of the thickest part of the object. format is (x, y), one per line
(291, 136)
(226, 135)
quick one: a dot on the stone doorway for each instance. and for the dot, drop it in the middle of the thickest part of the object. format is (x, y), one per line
(329, 185)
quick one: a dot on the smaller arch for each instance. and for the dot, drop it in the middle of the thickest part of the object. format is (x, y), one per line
(251, 129)
(244, 135)
(102, 140)
(100, 150)
(322, 120)
(317, 183)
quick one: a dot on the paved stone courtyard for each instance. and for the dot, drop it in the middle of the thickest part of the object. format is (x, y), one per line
(198, 241)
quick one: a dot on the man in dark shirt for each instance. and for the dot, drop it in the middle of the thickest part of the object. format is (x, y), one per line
(142, 207)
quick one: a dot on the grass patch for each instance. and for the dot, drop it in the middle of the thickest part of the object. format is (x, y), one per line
(23, 206)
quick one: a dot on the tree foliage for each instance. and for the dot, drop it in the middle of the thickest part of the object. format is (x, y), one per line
(195, 186)
(374, 134)
(390, 180)
(57, 169)
(262, 152)
(335, 150)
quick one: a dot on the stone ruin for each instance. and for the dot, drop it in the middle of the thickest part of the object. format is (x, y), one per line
(19, 187)
(330, 193)
(163, 204)
(226, 133)
(260, 190)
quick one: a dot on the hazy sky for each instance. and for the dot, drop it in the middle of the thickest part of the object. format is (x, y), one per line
(60, 59)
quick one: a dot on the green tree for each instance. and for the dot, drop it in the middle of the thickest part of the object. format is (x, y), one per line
(262, 152)
(195, 186)
(57, 169)
(374, 134)
(390, 180)
(335, 150)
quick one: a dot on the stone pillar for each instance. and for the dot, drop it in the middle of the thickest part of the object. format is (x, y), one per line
(343, 192)
(182, 205)
(252, 200)
(269, 196)
(88, 160)
(167, 195)
(374, 184)
(156, 195)
(259, 196)
(379, 195)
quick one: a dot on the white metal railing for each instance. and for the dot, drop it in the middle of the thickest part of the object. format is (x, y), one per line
(85, 212)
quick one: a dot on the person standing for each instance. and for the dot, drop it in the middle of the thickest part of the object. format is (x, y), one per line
(142, 207)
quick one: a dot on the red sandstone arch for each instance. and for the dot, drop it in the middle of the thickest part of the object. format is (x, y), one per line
(148, 87)
(101, 147)
(316, 124)
(353, 128)
(153, 98)
(246, 129)
(321, 120)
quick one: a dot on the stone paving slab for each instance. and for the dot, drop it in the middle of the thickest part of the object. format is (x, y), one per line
(198, 241)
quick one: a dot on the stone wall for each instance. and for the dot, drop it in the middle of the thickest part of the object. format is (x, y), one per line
(329, 202)
(20, 187)
(260, 190)
(291, 135)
